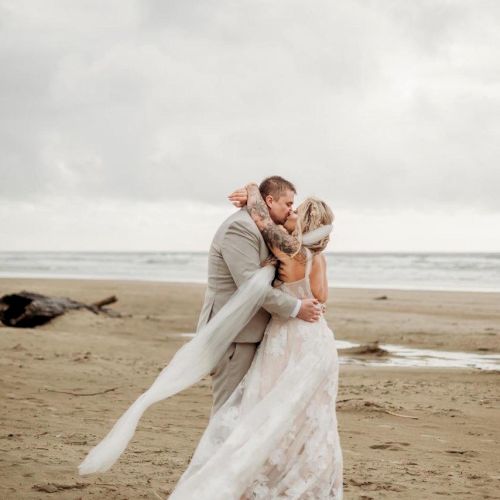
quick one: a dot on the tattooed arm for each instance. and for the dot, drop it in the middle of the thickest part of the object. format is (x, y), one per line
(281, 243)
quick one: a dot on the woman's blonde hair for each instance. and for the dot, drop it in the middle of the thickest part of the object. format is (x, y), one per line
(311, 214)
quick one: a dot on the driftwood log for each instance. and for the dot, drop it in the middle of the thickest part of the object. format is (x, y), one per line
(371, 349)
(28, 309)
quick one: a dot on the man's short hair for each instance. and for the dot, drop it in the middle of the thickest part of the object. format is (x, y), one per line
(275, 186)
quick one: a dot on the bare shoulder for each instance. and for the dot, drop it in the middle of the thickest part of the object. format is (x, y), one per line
(319, 260)
(319, 280)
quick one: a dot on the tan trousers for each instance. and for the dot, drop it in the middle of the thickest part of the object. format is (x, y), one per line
(230, 370)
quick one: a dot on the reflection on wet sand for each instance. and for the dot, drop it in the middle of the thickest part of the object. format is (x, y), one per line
(396, 355)
(375, 354)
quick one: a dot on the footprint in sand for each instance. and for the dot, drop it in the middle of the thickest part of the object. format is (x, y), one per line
(389, 445)
(375, 486)
(463, 453)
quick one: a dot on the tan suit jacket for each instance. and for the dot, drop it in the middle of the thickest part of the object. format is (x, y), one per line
(236, 253)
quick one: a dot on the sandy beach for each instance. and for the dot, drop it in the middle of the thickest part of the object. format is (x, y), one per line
(64, 384)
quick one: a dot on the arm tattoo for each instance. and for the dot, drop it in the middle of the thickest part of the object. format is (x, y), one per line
(276, 236)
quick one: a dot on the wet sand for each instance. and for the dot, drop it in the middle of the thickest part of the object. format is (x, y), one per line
(63, 386)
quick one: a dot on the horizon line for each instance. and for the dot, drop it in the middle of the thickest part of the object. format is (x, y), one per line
(457, 252)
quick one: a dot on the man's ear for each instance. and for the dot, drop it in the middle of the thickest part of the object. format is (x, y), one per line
(269, 200)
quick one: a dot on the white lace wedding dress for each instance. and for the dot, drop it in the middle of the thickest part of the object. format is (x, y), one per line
(276, 437)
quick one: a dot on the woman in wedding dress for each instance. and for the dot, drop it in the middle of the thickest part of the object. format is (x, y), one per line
(276, 436)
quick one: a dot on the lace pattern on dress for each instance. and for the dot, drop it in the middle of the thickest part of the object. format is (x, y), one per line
(305, 460)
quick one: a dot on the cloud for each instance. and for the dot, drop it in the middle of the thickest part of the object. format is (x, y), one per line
(370, 104)
(114, 225)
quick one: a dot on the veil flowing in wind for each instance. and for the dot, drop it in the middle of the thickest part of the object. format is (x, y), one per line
(190, 364)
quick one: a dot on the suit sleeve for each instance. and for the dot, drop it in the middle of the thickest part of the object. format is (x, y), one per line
(240, 251)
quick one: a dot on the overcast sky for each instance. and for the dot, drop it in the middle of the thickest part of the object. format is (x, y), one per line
(124, 124)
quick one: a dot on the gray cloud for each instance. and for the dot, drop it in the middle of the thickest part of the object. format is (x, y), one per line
(369, 104)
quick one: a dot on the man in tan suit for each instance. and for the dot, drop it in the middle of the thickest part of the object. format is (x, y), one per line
(236, 253)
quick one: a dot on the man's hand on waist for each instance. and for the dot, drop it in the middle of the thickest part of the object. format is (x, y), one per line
(310, 310)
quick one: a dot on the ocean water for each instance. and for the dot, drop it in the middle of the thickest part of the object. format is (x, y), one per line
(418, 271)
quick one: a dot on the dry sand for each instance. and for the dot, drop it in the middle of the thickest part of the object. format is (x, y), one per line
(49, 420)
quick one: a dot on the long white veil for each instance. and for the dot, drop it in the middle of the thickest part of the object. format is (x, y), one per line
(190, 364)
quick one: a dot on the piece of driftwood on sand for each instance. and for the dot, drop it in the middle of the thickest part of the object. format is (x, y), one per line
(370, 349)
(29, 309)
